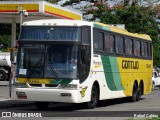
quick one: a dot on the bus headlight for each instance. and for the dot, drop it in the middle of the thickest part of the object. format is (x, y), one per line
(20, 85)
(67, 86)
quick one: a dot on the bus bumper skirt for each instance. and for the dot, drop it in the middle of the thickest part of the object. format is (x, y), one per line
(48, 95)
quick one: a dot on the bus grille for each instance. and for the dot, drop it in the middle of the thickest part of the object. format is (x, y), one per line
(46, 85)
(51, 85)
(35, 85)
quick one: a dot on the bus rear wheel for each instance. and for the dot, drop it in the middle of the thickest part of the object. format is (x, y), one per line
(94, 98)
(41, 105)
(134, 94)
(140, 92)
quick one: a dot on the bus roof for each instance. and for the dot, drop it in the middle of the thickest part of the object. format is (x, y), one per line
(62, 22)
(57, 22)
(120, 31)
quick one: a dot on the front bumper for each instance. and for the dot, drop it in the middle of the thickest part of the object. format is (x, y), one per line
(48, 95)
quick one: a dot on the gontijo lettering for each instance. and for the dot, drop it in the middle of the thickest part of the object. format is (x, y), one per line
(128, 64)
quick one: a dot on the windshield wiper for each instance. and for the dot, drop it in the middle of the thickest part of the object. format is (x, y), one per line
(52, 70)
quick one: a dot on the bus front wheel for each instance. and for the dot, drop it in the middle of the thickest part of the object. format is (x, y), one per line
(94, 98)
(41, 105)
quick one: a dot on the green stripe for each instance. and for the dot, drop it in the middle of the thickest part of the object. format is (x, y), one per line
(112, 74)
(61, 81)
(101, 27)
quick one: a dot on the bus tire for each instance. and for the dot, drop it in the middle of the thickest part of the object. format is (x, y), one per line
(94, 98)
(41, 105)
(140, 92)
(134, 93)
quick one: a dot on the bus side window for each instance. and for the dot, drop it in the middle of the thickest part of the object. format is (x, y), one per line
(129, 46)
(142, 49)
(150, 50)
(119, 45)
(137, 48)
(109, 43)
(146, 49)
(98, 40)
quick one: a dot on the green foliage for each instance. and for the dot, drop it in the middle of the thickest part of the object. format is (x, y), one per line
(136, 19)
(5, 29)
(5, 36)
(52, 1)
(5, 40)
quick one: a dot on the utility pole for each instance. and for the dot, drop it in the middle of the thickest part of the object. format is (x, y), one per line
(20, 9)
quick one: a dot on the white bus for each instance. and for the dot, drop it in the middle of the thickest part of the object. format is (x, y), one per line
(76, 61)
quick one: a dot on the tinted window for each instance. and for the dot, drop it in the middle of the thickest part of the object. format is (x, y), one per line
(142, 49)
(85, 35)
(137, 48)
(150, 50)
(145, 49)
(109, 43)
(98, 40)
(39, 33)
(129, 46)
(119, 45)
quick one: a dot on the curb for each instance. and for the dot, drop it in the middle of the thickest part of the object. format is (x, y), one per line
(5, 98)
(14, 103)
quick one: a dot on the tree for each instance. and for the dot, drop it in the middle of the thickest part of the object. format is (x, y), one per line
(136, 19)
(5, 36)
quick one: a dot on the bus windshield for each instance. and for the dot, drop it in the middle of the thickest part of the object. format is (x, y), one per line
(40, 33)
(48, 61)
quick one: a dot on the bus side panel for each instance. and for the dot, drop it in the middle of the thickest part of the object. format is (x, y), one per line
(105, 71)
(135, 69)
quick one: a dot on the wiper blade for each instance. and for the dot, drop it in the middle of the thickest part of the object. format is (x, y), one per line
(52, 70)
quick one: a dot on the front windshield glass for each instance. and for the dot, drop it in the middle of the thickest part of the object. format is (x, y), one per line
(31, 61)
(61, 61)
(40, 33)
(48, 61)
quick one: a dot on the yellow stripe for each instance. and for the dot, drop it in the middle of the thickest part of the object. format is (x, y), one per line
(62, 13)
(15, 6)
(34, 80)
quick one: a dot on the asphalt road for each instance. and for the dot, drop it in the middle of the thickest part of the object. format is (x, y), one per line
(148, 106)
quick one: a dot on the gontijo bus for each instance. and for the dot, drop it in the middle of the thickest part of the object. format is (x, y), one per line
(76, 61)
